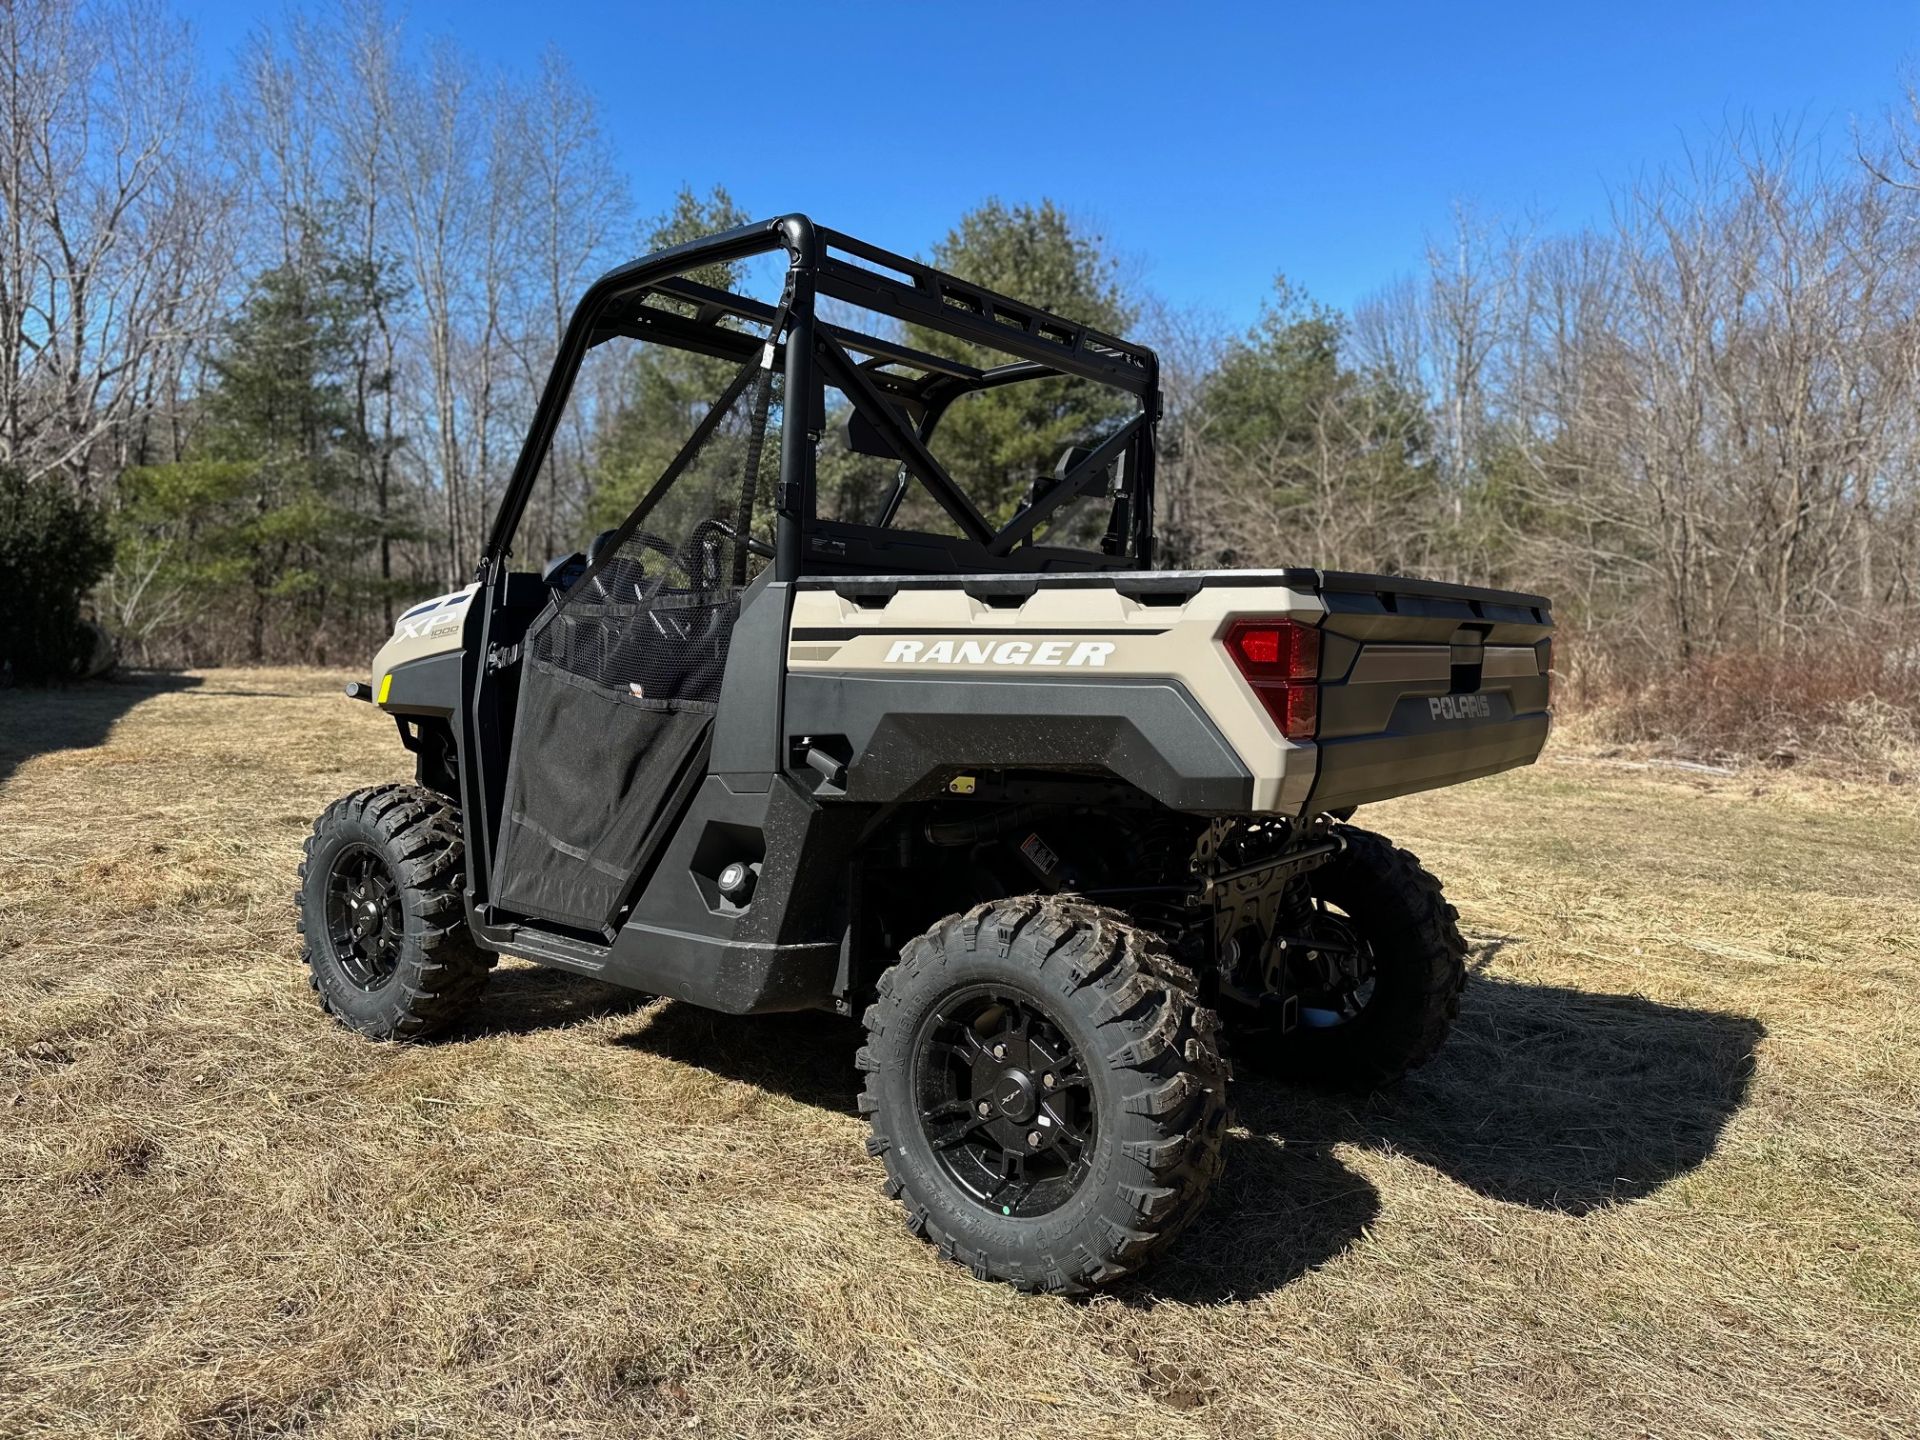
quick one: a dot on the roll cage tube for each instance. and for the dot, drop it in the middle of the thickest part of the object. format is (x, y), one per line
(814, 353)
(794, 233)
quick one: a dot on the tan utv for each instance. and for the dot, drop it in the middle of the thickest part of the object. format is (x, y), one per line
(831, 723)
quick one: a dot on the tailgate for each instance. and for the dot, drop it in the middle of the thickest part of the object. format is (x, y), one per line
(1426, 684)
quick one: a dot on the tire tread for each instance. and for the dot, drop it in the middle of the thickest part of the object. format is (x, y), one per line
(420, 832)
(1429, 956)
(1174, 1114)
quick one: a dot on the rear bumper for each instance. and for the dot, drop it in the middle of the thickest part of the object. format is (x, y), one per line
(1362, 769)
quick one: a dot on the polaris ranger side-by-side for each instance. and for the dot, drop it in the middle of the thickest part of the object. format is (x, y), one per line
(829, 722)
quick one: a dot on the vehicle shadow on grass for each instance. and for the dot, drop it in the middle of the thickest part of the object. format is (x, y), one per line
(74, 717)
(1281, 1209)
(808, 1056)
(1544, 1096)
(521, 999)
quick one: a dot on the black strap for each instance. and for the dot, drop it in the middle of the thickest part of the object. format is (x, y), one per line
(701, 433)
(762, 365)
(756, 447)
(757, 434)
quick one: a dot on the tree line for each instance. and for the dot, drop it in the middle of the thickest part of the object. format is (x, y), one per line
(268, 351)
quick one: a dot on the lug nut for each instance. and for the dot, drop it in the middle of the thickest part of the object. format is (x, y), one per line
(985, 1109)
(1047, 1080)
(999, 1052)
(1033, 1139)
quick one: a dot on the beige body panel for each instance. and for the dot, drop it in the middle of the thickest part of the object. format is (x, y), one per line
(1080, 633)
(432, 627)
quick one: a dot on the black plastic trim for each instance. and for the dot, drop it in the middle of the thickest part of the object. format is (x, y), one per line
(1124, 582)
(1360, 769)
(427, 686)
(738, 977)
(1354, 590)
(907, 734)
(746, 731)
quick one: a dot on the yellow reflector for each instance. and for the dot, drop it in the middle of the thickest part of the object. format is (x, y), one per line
(386, 684)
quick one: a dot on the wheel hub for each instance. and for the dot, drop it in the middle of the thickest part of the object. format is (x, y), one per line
(1006, 1104)
(365, 923)
(1336, 965)
(365, 913)
(1014, 1095)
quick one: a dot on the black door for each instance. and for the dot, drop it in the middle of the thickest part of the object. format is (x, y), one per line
(621, 675)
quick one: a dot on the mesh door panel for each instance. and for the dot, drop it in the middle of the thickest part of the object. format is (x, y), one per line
(593, 772)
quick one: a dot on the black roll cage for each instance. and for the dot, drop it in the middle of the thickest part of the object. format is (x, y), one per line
(902, 408)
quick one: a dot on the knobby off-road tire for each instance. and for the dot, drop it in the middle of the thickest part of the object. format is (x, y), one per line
(384, 929)
(1140, 1076)
(1419, 969)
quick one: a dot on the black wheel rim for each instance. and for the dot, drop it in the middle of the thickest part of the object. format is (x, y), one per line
(365, 924)
(1340, 981)
(1006, 1103)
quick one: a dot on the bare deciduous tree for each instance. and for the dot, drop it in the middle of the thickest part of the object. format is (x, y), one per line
(111, 236)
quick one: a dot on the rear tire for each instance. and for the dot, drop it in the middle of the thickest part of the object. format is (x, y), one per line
(385, 929)
(1109, 1103)
(1397, 909)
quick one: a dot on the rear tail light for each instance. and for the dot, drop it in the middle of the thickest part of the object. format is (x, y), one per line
(1281, 660)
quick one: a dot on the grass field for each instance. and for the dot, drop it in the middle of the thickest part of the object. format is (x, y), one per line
(1665, 1179)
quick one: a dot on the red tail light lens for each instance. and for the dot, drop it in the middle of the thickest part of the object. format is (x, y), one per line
(1274, 650)
(1281, 660)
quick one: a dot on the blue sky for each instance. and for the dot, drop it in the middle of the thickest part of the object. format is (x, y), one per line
(1213, 145)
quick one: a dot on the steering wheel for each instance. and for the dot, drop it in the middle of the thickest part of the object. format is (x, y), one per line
(700, 561)
(621, 568)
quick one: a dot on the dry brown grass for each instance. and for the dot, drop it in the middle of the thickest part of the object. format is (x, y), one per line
(1666, 1178)
(1849, 710)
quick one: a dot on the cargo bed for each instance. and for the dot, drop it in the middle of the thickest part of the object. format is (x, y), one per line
(1420, 683)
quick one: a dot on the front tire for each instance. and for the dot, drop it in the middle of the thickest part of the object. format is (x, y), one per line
(385, 930)
(1046, 1091)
